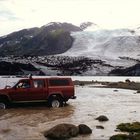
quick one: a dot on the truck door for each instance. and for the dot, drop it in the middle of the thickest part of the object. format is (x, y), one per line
(39, 90)
(21, 91)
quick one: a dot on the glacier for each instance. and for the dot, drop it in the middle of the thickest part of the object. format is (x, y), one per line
(108, 45)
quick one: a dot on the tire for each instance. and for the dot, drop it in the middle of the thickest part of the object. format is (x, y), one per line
(55, 102)
(2, 105)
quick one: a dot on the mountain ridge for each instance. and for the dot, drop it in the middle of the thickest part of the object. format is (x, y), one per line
(50, 39)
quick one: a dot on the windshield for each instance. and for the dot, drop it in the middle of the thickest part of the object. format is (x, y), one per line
(8, 82)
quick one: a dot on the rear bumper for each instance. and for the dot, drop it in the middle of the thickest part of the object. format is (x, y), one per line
(73, 97)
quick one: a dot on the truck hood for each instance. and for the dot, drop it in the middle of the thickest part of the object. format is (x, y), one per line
(5, 90)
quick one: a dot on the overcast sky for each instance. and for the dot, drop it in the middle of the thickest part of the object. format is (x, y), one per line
(19, 14)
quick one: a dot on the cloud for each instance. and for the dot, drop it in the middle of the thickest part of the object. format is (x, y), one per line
(18, 14)
(7, 15)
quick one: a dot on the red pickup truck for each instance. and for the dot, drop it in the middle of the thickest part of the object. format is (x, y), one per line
(54, 91)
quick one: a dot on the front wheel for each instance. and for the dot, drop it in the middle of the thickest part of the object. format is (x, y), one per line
(56, 102)
(2, 105)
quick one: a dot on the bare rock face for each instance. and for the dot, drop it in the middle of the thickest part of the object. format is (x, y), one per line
(102, 118)
(129, 71)
(16, 68)
(62, 131)
(84, 129)
(85, 25)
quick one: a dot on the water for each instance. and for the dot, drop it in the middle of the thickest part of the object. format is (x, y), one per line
(11, 81)
(107, 78)
(29, 122)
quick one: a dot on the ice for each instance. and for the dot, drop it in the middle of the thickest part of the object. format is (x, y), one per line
(106, 44)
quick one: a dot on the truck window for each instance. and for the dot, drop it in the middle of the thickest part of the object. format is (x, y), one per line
(38, 83)
(59, 82)
(23, 84)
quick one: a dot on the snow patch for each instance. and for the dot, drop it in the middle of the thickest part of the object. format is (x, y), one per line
(52, 24)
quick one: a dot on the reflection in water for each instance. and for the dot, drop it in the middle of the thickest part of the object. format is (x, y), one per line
(36, 114)
(30, 122)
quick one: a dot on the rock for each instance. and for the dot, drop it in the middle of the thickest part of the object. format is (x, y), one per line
(99, 127)
(16, 68)
(121, 137)
(133, 130)
(102, 118)
(136, 136)
(129, 71)
(62, 131)
(129, 127)
(115, 90)
(85, 25)
(125, 137)
(127, 81)
(84, 129)
(138, 91)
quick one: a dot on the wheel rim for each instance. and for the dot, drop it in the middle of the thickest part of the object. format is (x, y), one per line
(2, 106)
(55, 103)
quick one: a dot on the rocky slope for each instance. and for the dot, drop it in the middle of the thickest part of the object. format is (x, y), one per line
(58, 65)
(130, 71)
(53, 38)
(8, 68)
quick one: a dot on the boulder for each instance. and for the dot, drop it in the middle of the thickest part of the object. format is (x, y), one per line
(62, 131)
(84, 129)
(102, 118)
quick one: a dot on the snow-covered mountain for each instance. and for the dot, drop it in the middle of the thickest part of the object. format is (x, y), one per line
(106, 44)
(91, 50)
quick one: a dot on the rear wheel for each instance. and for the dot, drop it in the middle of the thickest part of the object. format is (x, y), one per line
(55, 102)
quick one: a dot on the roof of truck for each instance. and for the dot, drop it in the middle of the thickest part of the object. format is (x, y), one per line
(46, 78)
